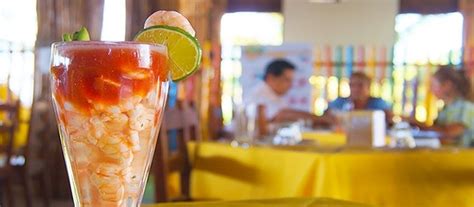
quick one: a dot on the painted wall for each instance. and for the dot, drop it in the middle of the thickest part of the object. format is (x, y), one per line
(357, 22)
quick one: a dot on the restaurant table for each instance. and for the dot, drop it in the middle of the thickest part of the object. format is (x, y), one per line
(380, 177)
(285, 202)
(325, 138)
(21, 133)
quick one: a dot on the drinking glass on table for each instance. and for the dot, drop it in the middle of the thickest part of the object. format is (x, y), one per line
(244, 125)
(290, 134)
(401, 136)
(342, 120)
(109, 98)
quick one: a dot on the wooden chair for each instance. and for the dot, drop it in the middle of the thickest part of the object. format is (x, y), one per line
(183, 121)
(7, 132)
(32, 159)
(191, 121)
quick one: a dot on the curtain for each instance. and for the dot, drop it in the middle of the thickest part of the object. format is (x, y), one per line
(138, 10)
(203, 88)
(56, 17)
(214, 110)
(467, 9)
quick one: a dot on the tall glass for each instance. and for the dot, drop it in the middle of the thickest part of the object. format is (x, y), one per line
(109, 98)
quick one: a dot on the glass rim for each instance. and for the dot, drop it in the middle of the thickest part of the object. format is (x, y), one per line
(108, 43)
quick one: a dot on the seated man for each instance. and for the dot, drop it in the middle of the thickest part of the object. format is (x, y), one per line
(278, 79)
(360, 98)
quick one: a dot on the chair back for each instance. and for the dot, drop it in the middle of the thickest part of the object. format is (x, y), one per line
(191, 122)
(8, 126)
(184, 123)
(37, 142)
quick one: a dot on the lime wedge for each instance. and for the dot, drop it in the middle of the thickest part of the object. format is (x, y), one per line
(184, 52)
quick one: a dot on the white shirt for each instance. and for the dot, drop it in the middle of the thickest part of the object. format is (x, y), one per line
(262, 94)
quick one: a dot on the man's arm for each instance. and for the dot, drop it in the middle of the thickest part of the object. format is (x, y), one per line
(287, 115)
(389, 117)
(448, 131)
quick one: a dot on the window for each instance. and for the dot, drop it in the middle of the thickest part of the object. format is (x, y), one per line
(17, 40)
(113, 24)
(241, 29)
(423, 43)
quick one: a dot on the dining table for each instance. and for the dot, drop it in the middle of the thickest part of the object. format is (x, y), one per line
(374, 176)
(284, 202)
(21, 132)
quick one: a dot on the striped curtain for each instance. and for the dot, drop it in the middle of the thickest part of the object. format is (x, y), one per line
(56, 17)
(138, 10)
(467, 9)
(203, 88)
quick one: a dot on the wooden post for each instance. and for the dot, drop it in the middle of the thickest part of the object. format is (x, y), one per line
(467, 9)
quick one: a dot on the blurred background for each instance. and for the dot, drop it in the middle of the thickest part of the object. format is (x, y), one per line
(398, 43)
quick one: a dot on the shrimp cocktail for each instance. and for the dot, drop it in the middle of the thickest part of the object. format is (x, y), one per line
(109, 98)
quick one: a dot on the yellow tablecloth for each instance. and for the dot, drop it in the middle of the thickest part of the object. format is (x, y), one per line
(288, 202)
(22, 130)
(325, 138)
(421, 177)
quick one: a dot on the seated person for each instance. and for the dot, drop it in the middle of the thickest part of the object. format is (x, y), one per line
(455, 121)
(360, 98)
(278, 79)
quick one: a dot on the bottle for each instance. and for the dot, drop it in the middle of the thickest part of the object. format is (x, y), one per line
(243, 125)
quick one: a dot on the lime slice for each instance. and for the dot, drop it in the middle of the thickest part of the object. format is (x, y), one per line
(184, 52)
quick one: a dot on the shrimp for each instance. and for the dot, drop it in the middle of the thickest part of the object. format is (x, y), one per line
(76, 125)
(82, 154)
(170, 18)
(134, 140)
(109, 148)
(130, 103)
(110, 187)
(141, 117)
